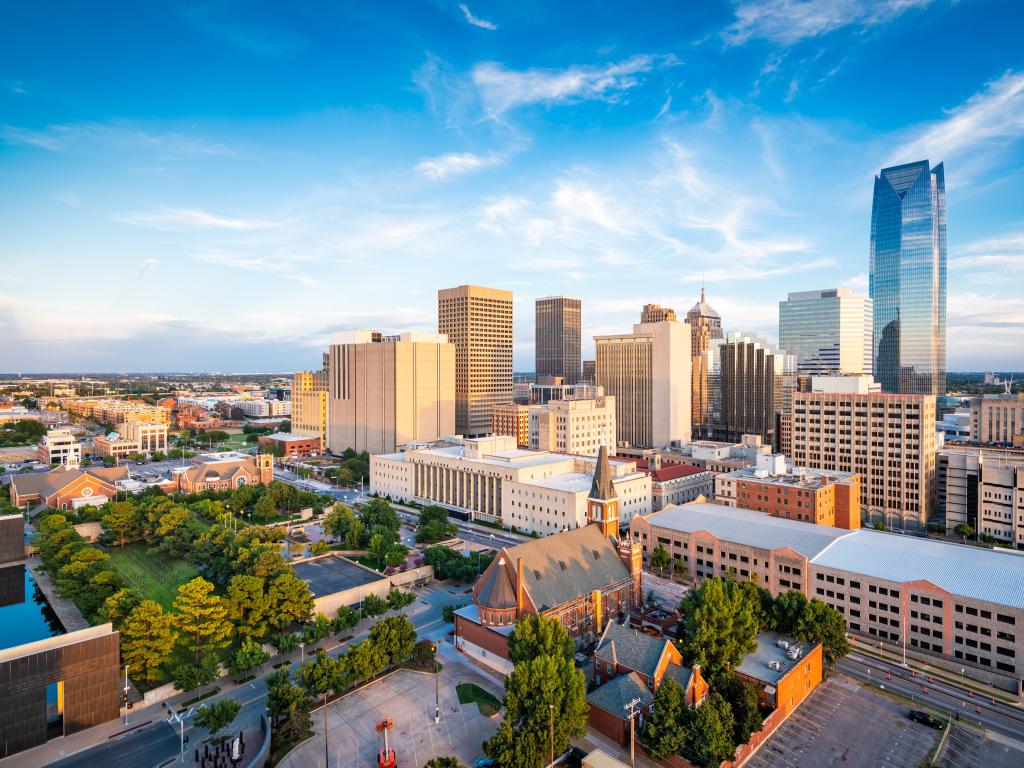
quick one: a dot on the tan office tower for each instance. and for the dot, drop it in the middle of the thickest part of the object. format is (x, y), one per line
(888, 439)
(388, 391)
(478, 321)
(309, 404)
(579, 424)
(648, 373)
(655, 313)
(705, 325)
(557, 337)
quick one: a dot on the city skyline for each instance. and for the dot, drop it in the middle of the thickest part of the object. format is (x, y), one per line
(295, 175)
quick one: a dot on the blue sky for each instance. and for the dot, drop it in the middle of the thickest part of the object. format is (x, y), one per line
(219, 185)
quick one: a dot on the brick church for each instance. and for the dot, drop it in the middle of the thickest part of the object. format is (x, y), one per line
(585, 578)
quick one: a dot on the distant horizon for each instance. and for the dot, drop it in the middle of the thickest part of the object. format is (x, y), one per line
(70, 375)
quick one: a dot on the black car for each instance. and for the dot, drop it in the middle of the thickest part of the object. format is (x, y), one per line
(925, 719)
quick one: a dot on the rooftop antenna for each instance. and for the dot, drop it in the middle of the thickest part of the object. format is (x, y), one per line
(1008, 385)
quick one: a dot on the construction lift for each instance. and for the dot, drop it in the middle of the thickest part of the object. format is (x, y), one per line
(386, 757)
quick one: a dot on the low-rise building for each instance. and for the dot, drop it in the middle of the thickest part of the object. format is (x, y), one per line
(115, 412)
(224, 471)
(490, 478)
(823, 497)
(133, 437)
(579, 424)
(679, 484)
(67, 487)
(784, 671)
(951, 605)
(59, 446)
(288, 446)
(998, 419)
(512, 419)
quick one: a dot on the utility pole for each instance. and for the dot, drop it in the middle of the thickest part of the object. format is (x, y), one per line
(632, 708)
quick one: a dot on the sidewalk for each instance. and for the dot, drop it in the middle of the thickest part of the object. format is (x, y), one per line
(476, 527)
(70, 617)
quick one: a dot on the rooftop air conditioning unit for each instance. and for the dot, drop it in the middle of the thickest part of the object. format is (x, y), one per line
(782, 643)
(774, 665)
(794, 652)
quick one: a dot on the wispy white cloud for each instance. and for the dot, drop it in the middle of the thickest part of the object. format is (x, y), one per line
(281, 266)
(665, 107)
(476, 22)
(177, 219)
(502, 90)
(456, 164)
(788, 22)
(65, 137)
(754, 272)
(49, 139)
(989, 118)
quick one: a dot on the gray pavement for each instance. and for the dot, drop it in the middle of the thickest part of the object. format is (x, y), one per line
(966, 748)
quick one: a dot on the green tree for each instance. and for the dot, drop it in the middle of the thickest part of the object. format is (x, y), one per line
(147, 641)
(118, 606)
(373, 606)
(289, 706)
(394, 637)
(265, 508)
(788, 612)
(248, 605)
(379, 547)
(824, 624)
(201, 617)
(354, 536)
(347, 618)
(217, 716)
(249, 656)
(964, 531)
(660, 559)
(719, 626)
(188, 677)
(123, 521)
(320, 547)
(290, 600)
(664, 731)
(443, 762)
(743, 701)
(538, 635)
(366, 660)
(338, 521)
(710, 738)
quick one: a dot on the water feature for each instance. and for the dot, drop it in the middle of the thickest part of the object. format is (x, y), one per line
(25, 616)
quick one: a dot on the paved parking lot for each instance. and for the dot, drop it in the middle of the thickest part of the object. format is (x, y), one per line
(844, 724)
(407, 698)
(967, 748)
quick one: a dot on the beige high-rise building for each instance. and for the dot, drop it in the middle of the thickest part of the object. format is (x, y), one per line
(705, 325)
(648, 373)
(655, 313)
(309, 404)
(579, 424)
(478, 322)
(888, 439)
(998, 419)
(388, 391)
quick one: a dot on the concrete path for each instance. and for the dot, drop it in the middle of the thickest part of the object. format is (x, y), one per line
(70, 617)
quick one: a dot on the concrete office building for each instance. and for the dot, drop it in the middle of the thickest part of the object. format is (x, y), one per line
(578, 425)
(998, 419)
(132, 437)
(950, 605)
(648, 373)
(887, 439)
(655, 313)
(679, 484)
(309, 403)
(478, 322)
(984, 488)
(59, 446)
(816, 496)
(750, 388)
(386, 391)
(557, 337)
(491, 479)
(705, 325)
(589, 371)
(829, 331)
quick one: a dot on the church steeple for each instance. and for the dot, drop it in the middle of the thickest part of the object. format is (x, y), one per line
(603, 502)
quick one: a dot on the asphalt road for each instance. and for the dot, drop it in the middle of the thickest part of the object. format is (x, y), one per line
(957, 702)
(158, 742)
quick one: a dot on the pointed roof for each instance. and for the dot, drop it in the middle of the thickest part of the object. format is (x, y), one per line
(497, 591)
(603, 487)
(902, 177)
(702, 308)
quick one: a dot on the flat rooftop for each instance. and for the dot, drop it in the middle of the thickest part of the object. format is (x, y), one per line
(330, 574)
(288, 437)
(761, 663)
(795, 478)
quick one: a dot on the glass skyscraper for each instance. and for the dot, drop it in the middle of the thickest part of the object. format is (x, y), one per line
(908, 278)
(829, 331)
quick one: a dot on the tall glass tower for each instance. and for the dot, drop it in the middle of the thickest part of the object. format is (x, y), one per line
(908, 278)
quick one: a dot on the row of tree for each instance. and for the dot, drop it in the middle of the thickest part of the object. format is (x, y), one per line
(375, 528)
(449, 564)
(82, 573)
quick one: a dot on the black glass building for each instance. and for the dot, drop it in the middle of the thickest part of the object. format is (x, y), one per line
(908, 278)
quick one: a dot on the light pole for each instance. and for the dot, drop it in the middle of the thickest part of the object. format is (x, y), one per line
(632, 708)
(126, 694)
(551, 731)
(180, 720)
(327, 754)
(302, 654)
(437, 689)
(961, 677)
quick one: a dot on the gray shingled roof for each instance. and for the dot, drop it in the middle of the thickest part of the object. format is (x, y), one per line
(632, 649)
(564, 566)
(47, 483)
(497, 591)
(681, 675)
(614, 695)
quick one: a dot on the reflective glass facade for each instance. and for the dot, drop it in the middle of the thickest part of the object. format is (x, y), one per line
(908, 278)
(558, 328)
(829, 331)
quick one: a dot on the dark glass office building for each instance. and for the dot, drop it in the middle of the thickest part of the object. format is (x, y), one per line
(908, 278)
(558, 331)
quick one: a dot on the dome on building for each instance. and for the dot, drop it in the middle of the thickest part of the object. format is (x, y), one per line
(498, 591)
(702, 308)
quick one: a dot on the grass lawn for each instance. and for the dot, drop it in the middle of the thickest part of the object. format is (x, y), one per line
(155, 576)
(370, 561)
(471, 693)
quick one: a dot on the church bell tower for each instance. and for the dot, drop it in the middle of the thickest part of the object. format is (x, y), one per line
(603, 502)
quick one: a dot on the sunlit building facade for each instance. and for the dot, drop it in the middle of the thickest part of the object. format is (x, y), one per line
(829, 331)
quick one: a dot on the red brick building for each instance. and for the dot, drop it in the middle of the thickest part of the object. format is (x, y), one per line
(226, 471)
(65, 488)
(288, 446)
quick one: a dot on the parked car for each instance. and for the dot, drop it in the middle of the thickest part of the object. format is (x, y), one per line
(925, 719)
(484, 762)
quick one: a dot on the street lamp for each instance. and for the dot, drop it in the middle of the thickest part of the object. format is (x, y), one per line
(437, 688)
(327, 754)
(302, 654)
(126, 694)
(961, 677)
(178, 718)
(551, 715)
